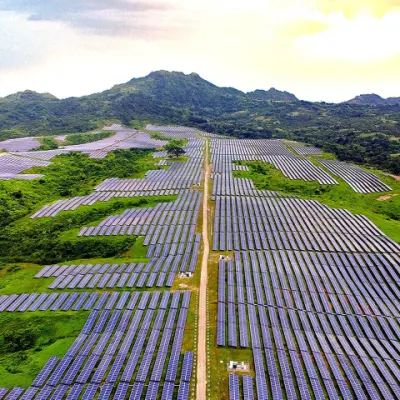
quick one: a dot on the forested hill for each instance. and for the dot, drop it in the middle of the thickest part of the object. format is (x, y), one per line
(357, 130)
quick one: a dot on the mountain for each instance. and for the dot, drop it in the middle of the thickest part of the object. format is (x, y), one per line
(29, 95)
(272, 95)
(176, 88)
(374, 100)
(362, 130)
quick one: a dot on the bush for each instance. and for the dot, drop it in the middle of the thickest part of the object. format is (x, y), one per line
(22, 339)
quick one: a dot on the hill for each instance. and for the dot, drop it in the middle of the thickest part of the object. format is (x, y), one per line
(272, 95)
(29, 95)
(374, 100)
(366, 130)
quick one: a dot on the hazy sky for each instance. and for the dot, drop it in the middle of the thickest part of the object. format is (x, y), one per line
(318, 49)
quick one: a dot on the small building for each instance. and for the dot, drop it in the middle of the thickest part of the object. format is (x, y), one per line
(238, 366)
(186, 274)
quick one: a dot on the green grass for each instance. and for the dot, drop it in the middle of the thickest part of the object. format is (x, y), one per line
(55, 333)
(385, 214)
(19, 278)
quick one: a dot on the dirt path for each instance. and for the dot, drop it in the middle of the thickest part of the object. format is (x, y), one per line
(201, 349)
(386, 197)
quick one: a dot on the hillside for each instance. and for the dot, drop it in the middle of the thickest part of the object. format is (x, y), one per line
(272, 95)
(374, 100)
(357, 130)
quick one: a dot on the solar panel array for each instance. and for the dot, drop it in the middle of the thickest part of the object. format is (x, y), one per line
(11, 165)
(44, 155)
(179, 177)
(169, 229)
(225, 184)
(129, 348)
(305, 150)
(326, 321)
(250, 223)
(19, 144)
(73, 203)
(122, 139)
(180, 132)
(312, 291)
(225, 151)
(158, 272)
(359, 180)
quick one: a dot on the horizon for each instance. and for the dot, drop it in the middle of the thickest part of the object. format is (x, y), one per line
(318, 50)
(191, 73)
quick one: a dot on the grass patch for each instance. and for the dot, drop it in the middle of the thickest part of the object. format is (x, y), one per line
(19, 278)
(53, 334)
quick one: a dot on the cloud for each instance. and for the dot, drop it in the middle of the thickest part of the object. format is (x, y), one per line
(302, 27)
(310, 47)
(351, 8)
(104, 17)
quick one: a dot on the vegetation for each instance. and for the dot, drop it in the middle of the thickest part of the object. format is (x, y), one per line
(81, 138)
(355, 131)
(47, 143)
(27, 340)
(174, 148)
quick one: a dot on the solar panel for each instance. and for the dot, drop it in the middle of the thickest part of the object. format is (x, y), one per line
(248, 393)
(46, 392)
(152, 390)
(137, 390)
(90, 392)
(187, 366)
(29, 393)
(105, 392)
(121, 391)
(183, 392)
(41, 378)
(234, 391)
(168, 391)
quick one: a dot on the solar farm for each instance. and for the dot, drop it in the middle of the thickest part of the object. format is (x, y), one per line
(302, 300)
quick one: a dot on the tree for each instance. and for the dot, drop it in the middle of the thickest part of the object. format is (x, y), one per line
(175, 148)
(20, 339)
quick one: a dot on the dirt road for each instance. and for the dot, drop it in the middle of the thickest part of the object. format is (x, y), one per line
(201, 349)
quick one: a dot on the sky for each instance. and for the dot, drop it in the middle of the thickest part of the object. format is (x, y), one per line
(320, 50)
